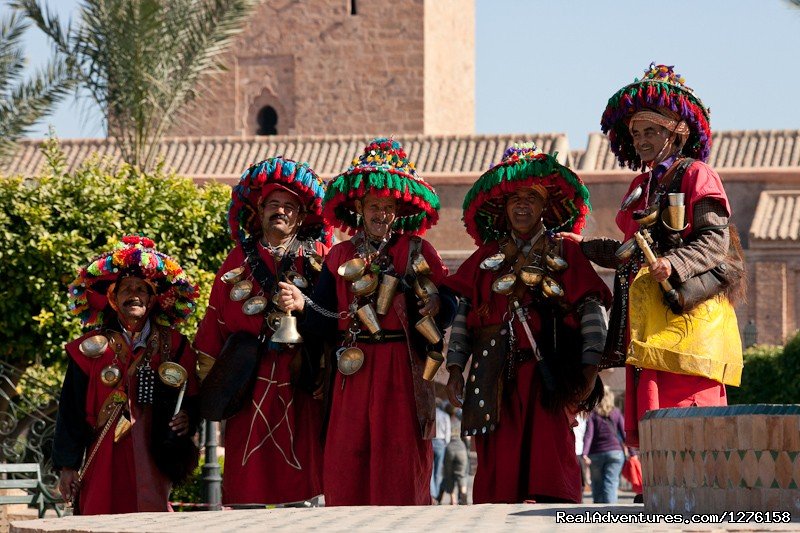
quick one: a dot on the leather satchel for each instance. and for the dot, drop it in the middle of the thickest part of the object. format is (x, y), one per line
(229, 384)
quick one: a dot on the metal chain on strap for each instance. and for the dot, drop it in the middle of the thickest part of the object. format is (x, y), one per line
(341, 315)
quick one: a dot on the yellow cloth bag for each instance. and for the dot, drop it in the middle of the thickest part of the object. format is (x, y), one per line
(704, 342)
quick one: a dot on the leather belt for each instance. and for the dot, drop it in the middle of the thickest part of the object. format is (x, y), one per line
(367, 338)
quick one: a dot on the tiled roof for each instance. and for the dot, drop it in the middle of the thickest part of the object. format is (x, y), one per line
(730, 149)
(777, 216)
(328, 155)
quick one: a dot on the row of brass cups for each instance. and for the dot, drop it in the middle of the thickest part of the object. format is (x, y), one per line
(365, 283)
(530, 275)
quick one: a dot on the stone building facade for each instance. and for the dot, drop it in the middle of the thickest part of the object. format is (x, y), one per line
(316, 67)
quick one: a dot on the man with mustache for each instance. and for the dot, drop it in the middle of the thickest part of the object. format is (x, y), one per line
(680, 347)
(119, 392)
(382, 412)
(530, 329)
(273, 453)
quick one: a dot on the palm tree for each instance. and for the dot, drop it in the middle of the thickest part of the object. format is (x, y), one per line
(140, 60)
(23, 101)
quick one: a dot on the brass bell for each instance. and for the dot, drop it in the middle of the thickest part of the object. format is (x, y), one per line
(287, 332)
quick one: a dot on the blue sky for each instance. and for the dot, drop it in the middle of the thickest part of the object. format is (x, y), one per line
(550, 65)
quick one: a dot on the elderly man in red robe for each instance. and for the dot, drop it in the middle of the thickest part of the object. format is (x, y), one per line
(530, 330)
(377, 299)
(264, 390)
(123, 432)
(680, 268)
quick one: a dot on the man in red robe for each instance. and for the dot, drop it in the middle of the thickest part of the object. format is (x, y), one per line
(532, 323)
(273, 452)
(673, 360)
(382, 412)
(122, 384)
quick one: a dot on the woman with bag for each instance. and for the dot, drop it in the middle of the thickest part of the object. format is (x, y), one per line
(604, 449)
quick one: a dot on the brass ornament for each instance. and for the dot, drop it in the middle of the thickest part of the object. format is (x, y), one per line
(428, 328)
(315, 260)
(254, 305)
(531, 275)
(369, 318)
(241, 290)
(110, 375)
(353, 269)
(172, 374)
(555, 263)
(386, 291)
(493, 262)
(425, 288)
(625, 252)
(94, 346)
(551, 288)
(365, 285)
(504, 284)
(274, 320)
(629, 200)
(349, 360)
(433, 361)
(421, 266)
(297, 279)
(232, 276)
(287, 331)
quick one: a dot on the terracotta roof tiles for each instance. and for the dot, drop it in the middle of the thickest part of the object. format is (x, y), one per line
(777, 217)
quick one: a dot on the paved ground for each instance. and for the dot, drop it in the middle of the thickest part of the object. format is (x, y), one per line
(500, 518)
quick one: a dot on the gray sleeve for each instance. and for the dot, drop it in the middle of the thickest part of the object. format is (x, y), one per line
(459, 348)
(594, 328)
(601, 252)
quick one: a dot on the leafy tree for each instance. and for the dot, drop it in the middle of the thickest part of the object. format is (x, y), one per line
(140, 60)
(23, 101)
(53, 224)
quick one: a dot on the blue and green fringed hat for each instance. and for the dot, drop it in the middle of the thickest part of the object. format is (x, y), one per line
(384, 169)
(260, 180)
(523, 166)
(664, 91)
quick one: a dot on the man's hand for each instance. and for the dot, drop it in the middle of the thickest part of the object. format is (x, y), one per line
(455, 386)
(661, 269)
(587, 460)
(68, 483)
(574, 237)
(180, 423)
(432, 306)
(290, 298)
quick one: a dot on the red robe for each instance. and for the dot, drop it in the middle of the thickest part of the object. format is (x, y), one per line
(273, 452)
(531, 453)
(122, 477)
(375, 453)
(657, 389)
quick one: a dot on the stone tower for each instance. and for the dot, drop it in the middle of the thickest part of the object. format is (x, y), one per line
(311, 67)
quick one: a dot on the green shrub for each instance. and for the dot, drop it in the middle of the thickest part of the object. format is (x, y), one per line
(760, 378)
(53, 224)
(191, 490)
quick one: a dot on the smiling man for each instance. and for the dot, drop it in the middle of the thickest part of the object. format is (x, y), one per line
(272, 444)
(382, 412)
(115, 413)
(533, 330)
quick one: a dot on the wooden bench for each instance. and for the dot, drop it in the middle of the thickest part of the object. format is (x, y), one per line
(28, 477)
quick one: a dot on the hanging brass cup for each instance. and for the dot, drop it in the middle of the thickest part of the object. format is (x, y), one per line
(504, 284)
(353, 269)
(428, 328)
(432, 363)
(172, 374)
(551, 288)
(625, 252)
(531, 275)
(349, 360)
(555, 263)
(315, 260)
(421, 266)
(365, 285)
(369, 318)
(493, 262)
(110, 375)
(674, 218)
(296, 279)
(646, 218)
(94, 346)
(232, 276)
(425, 288)
(386, 292)
(241, 290)
(254, 305)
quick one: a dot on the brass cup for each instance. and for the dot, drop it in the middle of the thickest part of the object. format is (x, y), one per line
(353, 269)
(386, 292)
(674, 218)
(254, 305)
(427, 326)
(241, 290)
(625, 252)
(365, 285)
(676, 199)
(315, 260)
(369, 318)
(531, 275)
(425, 288)
(432, 363)
(110, 375)
(232, 276)
(493, 262)
(504, 284)
(421, 266)
(555, 263)
(646, 219)
(551, 288)
(349, 360)
(296, 279)
(94, 346)
(172, 374)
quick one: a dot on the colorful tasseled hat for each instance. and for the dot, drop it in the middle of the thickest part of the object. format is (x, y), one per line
(384, 169)
(522, 165)
(660, 90)
(134, 256)
(263, 178)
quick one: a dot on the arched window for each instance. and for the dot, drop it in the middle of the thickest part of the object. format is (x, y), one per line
(267, 120)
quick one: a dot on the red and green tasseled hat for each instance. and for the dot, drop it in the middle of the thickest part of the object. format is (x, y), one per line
(385, 170)
(134, 256)
(260, 180)
(660, 90)
(523, 166)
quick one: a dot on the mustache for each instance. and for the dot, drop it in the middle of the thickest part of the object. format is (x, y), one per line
(279, 216)
(133, 301)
